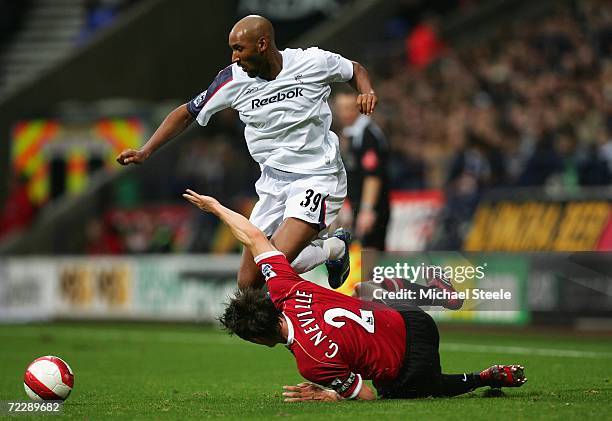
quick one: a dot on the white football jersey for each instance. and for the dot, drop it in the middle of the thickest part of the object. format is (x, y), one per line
(287, 119)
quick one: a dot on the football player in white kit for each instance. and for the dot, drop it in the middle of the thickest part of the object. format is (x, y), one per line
(281, 96)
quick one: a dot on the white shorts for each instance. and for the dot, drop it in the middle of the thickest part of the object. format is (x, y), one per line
(316, 199)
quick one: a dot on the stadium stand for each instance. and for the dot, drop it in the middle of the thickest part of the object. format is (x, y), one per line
(526, 106)
(43, 32)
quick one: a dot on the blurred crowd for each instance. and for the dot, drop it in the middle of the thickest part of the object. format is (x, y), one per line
(531, 107)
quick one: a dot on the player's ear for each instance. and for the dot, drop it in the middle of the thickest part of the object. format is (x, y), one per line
(262, 44)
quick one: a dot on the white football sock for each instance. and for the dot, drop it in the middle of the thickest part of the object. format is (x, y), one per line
(334, 248)
(312, 256)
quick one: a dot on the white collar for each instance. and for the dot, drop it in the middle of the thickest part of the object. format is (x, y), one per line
(289, 330)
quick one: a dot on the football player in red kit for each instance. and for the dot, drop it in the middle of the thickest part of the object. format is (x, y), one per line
(340, 341)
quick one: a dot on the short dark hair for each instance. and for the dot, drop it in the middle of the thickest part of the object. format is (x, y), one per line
(251, 314)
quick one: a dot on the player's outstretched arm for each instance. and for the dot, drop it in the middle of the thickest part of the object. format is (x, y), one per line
(173, 125)
(367, 98)
(245, 232)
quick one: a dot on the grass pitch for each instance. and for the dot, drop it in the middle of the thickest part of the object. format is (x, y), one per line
(183, 372)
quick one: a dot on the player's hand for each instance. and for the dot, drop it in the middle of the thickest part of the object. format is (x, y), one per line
(367, 102)
(206, 203)
(365, 222)
(131, 156)
(306, 392)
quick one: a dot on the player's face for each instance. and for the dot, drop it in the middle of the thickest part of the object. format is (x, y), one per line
(246, 52)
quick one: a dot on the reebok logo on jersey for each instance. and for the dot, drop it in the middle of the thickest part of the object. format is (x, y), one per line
(281, 96)
(251, 90)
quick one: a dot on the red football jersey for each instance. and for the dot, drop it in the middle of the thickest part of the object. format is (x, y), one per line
(337, 340)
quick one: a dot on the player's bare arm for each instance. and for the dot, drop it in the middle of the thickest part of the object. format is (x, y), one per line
(367, 98)
(245, 232)
(173, 125)
(310, 392)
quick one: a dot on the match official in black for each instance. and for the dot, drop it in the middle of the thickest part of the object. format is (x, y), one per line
(365, 151)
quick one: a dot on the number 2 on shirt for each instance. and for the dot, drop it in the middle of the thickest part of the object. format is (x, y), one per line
(365, 320)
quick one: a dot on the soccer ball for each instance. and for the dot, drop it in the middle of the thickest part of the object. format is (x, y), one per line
(48, 378)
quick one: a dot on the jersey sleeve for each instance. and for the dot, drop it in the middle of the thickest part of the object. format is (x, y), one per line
(217, 97)
(347, 383)
(334, 67)
(280, 277)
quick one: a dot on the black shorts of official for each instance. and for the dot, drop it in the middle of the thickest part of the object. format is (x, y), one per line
(421, 367)
(376, 238)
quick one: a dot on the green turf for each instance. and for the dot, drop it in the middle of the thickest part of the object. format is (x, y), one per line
(189, 372)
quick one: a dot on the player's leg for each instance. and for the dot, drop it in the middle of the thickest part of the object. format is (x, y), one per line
(319, 251)
(295, 208)
(421, 363)
(267, 215)
(293, 235)
(317, 200)
(496, 376)
(338, 268)
(439, 384)
(290, 238)
(421, 374)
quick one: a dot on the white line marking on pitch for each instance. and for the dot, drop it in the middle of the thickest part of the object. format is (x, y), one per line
(212, 338)
(545, 352)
